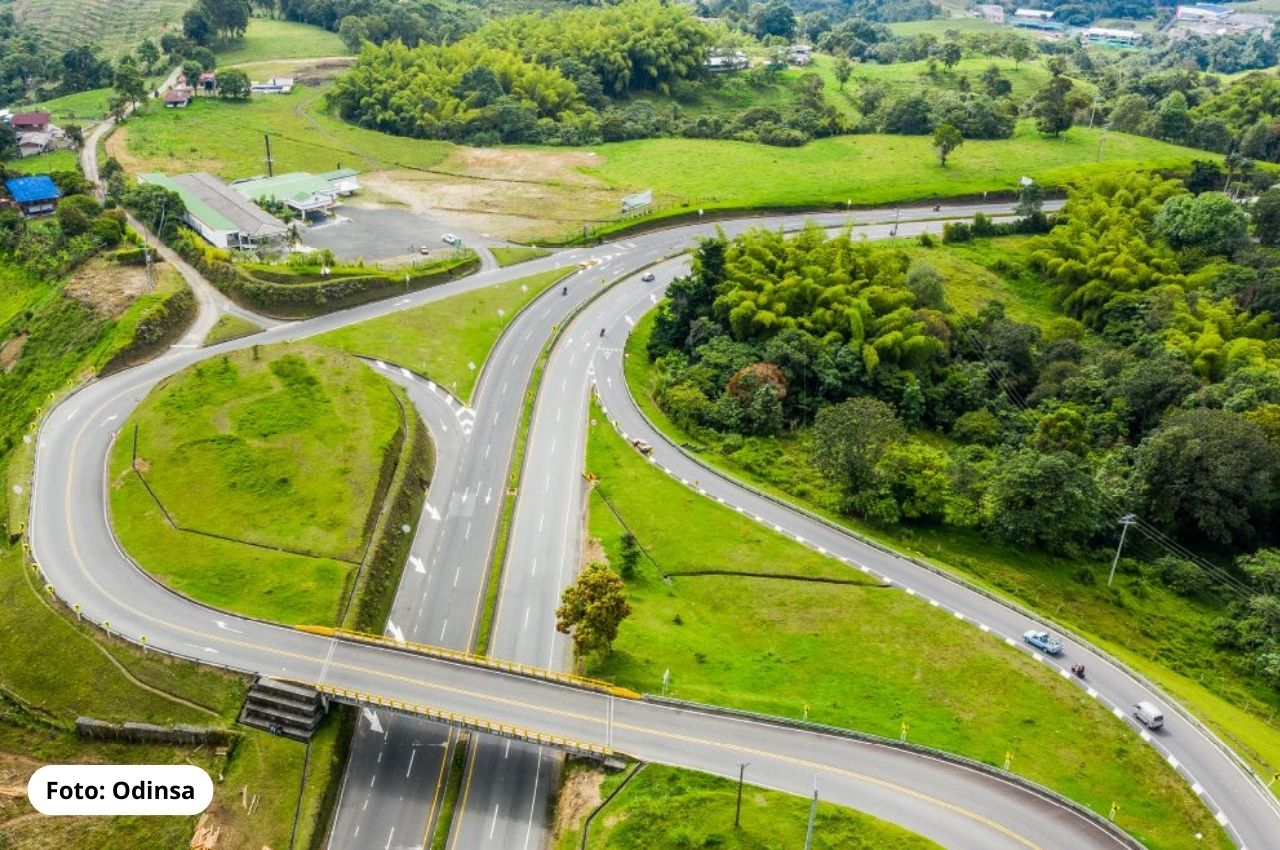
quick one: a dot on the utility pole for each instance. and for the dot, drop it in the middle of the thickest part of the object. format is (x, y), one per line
(1125, 521)
(270, 168)
(742, 772)
(813, 813)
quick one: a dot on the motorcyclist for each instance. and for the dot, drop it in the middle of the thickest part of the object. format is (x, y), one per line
(602, 332)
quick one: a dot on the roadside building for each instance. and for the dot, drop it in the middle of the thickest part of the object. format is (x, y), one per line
(1108, 37)
(308, 195)
(992, 13)
(275, 85)
(223, 216)
(1202, 12)
(30, 122)
(32, 144)
(344, 181)
(1032, 15)
(177, 98)
(36, 195)
(208, 82)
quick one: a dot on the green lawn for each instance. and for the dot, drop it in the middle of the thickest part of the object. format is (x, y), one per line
(766, 644)
(1027, 77)
(230, 326)
(447, 341)
(225, 138)
(940, 26)
(970, 284)
(870, 169)
(269, 40)
(279, 449)
(510, 256)
(44, 163)
(82, 106)
(667, 807)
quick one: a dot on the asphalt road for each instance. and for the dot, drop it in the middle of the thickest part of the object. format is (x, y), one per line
(72, 541)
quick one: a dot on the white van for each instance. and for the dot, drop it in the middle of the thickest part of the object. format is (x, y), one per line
(1148, 715)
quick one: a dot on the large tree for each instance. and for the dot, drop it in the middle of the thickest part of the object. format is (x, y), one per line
(1043, 499)
(1266, 217)
(1051, 109)
(849, 438)
(1210, 221)
(1208, 474)
(946, 139)
(592, 609)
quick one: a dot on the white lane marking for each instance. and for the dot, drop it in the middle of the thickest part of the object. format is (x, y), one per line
(494, 823)
(410, 770)
(526, 617)
(390, 835)
(457, 572)
(432, 512)
(444, 626)
(397, 634)
(418, 566)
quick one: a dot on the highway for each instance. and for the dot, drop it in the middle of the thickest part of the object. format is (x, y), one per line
(72, 542)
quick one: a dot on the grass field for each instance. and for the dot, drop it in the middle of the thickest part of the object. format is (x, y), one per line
(230, 326)
(447, 341)
(940, 26)
(116, 26)
(1027, 77)
(226, 139)
(667, 807)
(517, 254)
(269, 40)
(44, 163)
(82, 106)
(246, 446)
(766, 644)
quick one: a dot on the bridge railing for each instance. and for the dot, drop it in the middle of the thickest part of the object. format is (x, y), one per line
(445, 654)
(464, 721)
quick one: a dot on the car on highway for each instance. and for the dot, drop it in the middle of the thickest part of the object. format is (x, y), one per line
(648, 277)
(1148, 715)
(1043, 641)
(451, 239)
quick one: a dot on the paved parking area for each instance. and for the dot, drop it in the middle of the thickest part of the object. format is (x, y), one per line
(379, 234)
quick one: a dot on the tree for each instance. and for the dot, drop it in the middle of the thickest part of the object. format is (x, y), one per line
(849, 439)
(950, 54)
(1207, 473)
(1129, 114)
(776, 18)
(592, 609)
(192, 71)
(196, 25)
(353, 32)
(1205, 176)
(1030, 200)
(629, 558)
(128, 82)
(155, 204)
(8, 142)
(997, 85)
(233, 84)
(76, 213)
(1210, 221)
(1043, 499)
(148, 53)
(843, 70)
(1051, 110)
(1173, 121)
(928, 286)
(946, 139)
(908, 115)
(1019, 49)
(1265, 212)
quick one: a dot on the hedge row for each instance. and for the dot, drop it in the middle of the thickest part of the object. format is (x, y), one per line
(300, 300)
(157, 329)
(391, 547)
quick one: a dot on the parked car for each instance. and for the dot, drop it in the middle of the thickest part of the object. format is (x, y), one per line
(451, 239)
(1148, 715)
(1043, 641)
(648, 277)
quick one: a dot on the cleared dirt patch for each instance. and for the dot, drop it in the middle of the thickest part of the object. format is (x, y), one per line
(579, 797)
(516, 194)
(106, 288)
(11, 351)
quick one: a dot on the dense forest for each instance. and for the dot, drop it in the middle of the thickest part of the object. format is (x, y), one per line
(1155, 391)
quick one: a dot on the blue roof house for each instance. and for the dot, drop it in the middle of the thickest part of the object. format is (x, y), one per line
(34, 195)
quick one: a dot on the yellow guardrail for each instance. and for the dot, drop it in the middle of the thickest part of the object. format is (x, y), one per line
(463, 720)
(463, 657)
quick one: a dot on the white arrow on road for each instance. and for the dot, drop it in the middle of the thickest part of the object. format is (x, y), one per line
(488, 496)
(222, 624)
(417, 564)
(433, 513)
(372, 717)
(396, 634)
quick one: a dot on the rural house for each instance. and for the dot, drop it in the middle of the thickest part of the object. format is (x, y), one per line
(34, 195)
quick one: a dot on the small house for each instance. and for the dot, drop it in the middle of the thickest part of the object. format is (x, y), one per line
(178, 98)
(208, 82)
(275, 85)
(30, 122)
(33, 144)
(993, 13)
(800, 54)
(36, 195)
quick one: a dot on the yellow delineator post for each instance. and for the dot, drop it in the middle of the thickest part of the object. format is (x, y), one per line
(463, 721)
(445, 654)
